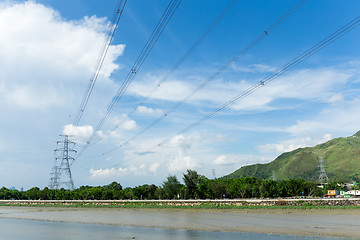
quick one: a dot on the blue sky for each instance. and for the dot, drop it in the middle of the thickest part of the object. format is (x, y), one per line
(48, 50)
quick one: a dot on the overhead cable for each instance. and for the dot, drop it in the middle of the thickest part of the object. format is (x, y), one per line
(285, 68)
(225, 66)
(173, 69)
(164, 20)
(112, 29)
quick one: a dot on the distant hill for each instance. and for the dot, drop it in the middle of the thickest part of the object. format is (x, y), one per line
(341, 158)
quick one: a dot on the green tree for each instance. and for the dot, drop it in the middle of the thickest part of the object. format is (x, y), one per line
(171, 187)
(159, 193)
(5, 193)
(270, 189)
(114, 186)
(152, 191)
(191, 180)
(128, 193)
(218, 188)
(33, 193)
(204, 189)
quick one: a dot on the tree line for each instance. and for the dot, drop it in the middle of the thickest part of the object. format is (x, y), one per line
(195, 186)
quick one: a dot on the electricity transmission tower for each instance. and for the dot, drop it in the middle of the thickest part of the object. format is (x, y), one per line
(273, 176)
(323, 178)
(61, 173)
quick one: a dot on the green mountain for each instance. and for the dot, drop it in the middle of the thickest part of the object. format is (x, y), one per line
(341, 159)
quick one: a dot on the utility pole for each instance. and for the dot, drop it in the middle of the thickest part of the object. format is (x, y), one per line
(61, 173)
(322, 173)
(214, 176)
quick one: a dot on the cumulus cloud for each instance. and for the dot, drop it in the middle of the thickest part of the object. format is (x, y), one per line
(149, 111)
(121, 172)
(81, 134)
(181, 142)
(108, 172)
(223, 160)
(153, 168)
(182, 163)
(125, 123)
(41, 54)
(292, 144)
(306, 84)
(129, 125)
(343, 118)
(46, 61)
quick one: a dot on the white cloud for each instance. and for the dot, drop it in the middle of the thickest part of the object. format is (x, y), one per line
(337, 99)
(42, 54)
(223, 160)
(108, 172)
(120, 172)
(339, 119)
(181, 164)
(149, 111)
(180, 141)
(292, 144)
(29, 97)
(305, 84)
(80, 134)
(125, 123)
(129, 125)
(153, 168)
(46, 61)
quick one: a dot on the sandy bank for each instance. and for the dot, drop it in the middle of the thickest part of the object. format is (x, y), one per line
(316, 222)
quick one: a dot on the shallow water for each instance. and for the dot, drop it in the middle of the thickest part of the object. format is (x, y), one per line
(18, 229)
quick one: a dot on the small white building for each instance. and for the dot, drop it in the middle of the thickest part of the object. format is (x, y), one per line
(353, 192)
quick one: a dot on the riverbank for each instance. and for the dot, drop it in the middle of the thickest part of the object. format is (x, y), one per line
(313, 222)
(300, 203)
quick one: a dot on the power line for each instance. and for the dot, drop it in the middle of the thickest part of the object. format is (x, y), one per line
(173, 69)
(225, 66)
(186, 55)
(164, 20)
(331, 38)
(311, 51)
(114, 24)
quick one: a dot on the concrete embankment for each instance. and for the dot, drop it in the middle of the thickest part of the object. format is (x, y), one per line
(198, 202)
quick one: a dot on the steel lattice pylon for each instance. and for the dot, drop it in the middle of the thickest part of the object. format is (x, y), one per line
(61, 173)
(322, 177)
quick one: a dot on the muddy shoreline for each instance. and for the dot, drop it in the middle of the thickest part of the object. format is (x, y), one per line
(206, 203)
(314, 222)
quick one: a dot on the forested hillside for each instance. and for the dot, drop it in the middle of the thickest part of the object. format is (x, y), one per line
(341, 158)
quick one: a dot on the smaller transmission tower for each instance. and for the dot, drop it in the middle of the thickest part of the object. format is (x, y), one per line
(61, 173)
(273, 176)
(54, 179)
(323, 178)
